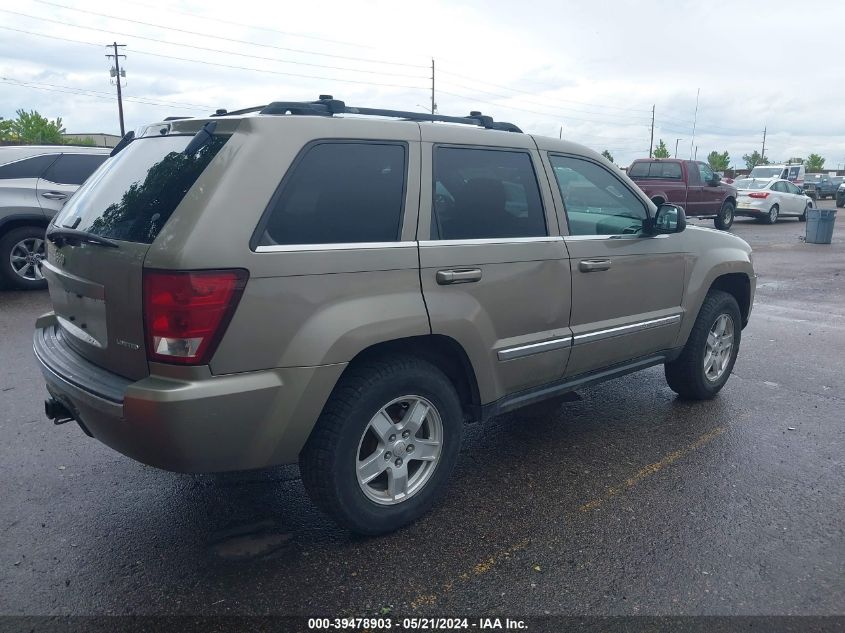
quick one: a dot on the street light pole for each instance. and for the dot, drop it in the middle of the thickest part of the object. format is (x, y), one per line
(677, 140)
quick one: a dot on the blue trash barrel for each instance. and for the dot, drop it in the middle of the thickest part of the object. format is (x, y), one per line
(820, 225)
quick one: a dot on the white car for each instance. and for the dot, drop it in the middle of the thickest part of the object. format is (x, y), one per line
(769, 199)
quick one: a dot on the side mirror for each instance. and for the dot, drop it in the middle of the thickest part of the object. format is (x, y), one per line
(670, 218)
(715, 180)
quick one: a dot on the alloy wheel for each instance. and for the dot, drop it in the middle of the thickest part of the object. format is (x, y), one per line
(25, 258)
(399, 450)
(717, 350)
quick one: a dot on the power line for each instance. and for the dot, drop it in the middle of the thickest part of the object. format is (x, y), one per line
(226, 39)
(97, 94)
(544, 105)
(552, 115)
(207, 63)
(528, 92)
(247, 26)
(209, 49)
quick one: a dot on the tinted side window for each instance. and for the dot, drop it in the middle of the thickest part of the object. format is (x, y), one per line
(481, 193)
(74, 169)
(705, 172)
(340, 192)
(27, 168)
(595, 200)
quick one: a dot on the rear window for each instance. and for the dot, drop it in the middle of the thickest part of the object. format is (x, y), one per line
(750, 183)
(340, 192)
(27, 168)
(136, 192)
(74, 169)
(655, 169)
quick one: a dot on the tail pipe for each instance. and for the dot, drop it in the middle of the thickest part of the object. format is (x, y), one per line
(57, 412)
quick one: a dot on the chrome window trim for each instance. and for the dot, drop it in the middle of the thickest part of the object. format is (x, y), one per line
(340, 246)
(616, 236)
(534, 348)
(494, 240)
(598, 335)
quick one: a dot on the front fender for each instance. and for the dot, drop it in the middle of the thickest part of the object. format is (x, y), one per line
(704, 267)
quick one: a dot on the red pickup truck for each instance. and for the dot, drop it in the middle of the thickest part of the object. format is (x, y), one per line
(687, 183)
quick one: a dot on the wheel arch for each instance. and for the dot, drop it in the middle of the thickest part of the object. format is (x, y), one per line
(17, 221)
(739, 286)
(443, 352)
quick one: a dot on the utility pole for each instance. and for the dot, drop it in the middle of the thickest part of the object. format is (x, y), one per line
(696, 153)
(763, 155)
(694, 121)
(117, 73)
(651, 139)
(677, 140)
(433, 103)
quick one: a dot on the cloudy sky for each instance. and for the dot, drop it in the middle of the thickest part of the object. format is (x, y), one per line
(592, 68)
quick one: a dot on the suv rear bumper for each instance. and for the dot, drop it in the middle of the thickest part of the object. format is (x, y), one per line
(197, 422)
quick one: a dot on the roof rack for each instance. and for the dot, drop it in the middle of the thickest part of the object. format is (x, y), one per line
(327, 105)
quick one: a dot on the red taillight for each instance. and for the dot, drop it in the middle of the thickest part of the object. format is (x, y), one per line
(186, 313)
(758, 194)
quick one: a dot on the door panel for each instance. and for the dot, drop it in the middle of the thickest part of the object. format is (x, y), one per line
(521, 299)
(626, 286)
(490, 282)
(629, 310)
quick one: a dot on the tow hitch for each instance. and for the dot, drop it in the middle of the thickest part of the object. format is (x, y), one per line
(56, 411)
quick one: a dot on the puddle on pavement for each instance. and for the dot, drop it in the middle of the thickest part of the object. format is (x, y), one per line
(249, 541)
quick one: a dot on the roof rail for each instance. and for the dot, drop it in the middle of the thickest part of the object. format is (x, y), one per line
(326, 105)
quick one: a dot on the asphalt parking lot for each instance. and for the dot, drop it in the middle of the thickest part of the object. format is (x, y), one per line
(627, 501)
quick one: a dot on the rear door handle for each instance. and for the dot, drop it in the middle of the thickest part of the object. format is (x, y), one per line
(593, 265)
(54, 195)
(458, 276)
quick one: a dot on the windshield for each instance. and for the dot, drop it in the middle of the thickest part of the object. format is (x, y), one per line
(813, 178)
(751, 183)
(134, 194)
(766, 172)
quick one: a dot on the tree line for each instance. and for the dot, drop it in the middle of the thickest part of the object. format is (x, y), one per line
(30, 128)
(722, 161)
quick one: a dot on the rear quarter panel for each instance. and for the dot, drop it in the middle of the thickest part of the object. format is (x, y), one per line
(309, 305)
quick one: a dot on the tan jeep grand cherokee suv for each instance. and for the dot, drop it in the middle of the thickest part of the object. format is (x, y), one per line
(293, 284)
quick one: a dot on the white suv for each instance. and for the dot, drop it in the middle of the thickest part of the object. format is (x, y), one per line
(35, 182)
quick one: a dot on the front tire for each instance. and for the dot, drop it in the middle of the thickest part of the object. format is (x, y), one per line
(21, 251)
(707, 360)
(384, 446)
(725, 219)
(803, 216)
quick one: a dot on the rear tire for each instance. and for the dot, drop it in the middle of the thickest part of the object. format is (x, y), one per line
(687, 375)
(725, 219)
(362, 424)
(772, 216)
(20, 250)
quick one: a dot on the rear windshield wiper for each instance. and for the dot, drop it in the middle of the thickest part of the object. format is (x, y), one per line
(201, 138)
(63, 235)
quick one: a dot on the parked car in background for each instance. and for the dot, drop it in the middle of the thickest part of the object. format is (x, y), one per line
(687, 183)
(840, 195)
(379, 282)
(769, 199)
(791, 171)
(821, 186)
(35, 181)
